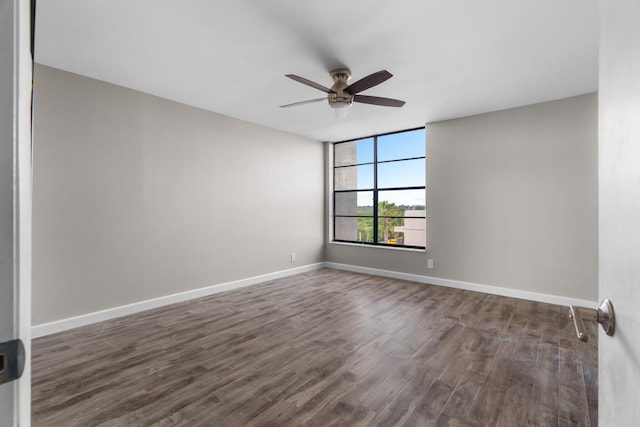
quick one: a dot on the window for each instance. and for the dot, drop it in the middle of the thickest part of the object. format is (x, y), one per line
(379, 190)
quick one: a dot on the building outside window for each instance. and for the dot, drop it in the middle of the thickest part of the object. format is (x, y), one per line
(379, 190)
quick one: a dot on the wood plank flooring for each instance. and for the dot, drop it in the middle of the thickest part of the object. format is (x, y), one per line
(322, 348)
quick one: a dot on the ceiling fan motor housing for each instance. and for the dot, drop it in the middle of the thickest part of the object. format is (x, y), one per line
(340, 99)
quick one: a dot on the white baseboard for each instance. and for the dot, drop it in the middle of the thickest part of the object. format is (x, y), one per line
(111, 313)
(487, 289)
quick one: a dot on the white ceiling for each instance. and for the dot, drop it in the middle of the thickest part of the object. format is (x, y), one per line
(450, 58)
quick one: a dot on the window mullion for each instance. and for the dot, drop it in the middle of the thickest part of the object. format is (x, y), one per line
(333, 180)
(375, 189)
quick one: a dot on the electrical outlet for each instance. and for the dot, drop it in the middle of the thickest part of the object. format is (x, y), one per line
(293, 257)
(429, 263)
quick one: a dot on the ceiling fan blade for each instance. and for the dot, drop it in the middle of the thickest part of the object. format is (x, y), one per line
(309, 83)
(377, 100)
(367, 82)
(303, 102)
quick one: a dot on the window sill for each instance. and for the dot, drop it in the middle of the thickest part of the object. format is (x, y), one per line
(389, 248)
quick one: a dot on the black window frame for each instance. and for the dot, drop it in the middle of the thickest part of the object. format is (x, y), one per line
(375, 190)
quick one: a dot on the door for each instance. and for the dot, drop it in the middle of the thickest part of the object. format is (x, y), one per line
(619, 158)
(15, 199)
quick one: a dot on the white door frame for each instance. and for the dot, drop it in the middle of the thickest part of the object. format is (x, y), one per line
(16, 67)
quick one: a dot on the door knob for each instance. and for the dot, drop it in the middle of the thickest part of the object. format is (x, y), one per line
(604, 315)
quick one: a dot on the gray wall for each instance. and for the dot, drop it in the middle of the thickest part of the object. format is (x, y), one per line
(512, 201)
(137, 197)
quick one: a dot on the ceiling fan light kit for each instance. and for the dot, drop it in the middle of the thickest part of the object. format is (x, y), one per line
(342, 94)
(340, 99)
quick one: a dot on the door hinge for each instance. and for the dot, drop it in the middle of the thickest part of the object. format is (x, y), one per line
(11, 360)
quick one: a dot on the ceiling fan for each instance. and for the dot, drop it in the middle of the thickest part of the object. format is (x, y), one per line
(342, 95)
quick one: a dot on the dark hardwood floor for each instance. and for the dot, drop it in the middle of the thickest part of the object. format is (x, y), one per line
(323, 348)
